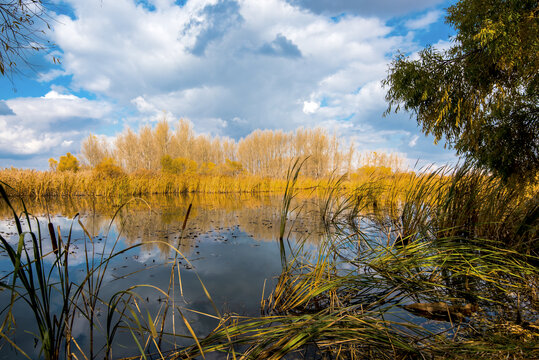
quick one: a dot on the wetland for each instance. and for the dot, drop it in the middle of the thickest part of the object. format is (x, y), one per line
(414, 269)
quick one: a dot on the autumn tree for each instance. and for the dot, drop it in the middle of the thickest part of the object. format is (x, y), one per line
(94, 150)
(207, 168)
(68, 162)
(178, 165)
(127, 151)
(108, 168)
(181, 142)
(481, 94)
(262, 153)
(53, 164)
(162, 138)
(393, 161)
(230, 168)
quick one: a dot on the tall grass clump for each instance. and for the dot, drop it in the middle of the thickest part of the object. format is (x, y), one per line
(41, 283)
(32, 282)
(439, 265)
(36, 184)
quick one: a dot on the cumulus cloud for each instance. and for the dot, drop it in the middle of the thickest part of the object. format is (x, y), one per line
(228, 66)
(37, 125)
(143, 106)
(212, 23)
(50, 75)
(257, 66)
(281, 46)
(310, 107)
(5, 109)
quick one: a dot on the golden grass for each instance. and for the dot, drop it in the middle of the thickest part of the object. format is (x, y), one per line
(36, 183)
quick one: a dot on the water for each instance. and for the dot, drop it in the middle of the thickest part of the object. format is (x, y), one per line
(229, 244)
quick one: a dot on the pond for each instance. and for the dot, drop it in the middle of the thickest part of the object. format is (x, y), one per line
(229, 243)
(159, 273)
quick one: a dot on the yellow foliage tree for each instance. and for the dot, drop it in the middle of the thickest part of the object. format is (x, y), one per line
(68, 162)
(207, 168)
(178, 165)
(53, 164)
(230, 168)
(107, 168)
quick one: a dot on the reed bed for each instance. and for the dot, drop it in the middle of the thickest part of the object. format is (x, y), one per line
(326, 310)
(457, 247)
(34, 183)
(41, 283)
(87, 182)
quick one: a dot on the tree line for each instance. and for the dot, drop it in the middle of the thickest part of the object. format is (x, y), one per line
(265, 153)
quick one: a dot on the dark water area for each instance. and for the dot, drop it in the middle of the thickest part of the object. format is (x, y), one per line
(229, 244)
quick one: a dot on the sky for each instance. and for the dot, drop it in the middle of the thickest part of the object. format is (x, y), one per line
(228, 66)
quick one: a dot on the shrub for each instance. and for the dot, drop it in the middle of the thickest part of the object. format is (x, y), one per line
(67, 162)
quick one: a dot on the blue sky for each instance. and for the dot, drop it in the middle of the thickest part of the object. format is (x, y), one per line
(229, 66)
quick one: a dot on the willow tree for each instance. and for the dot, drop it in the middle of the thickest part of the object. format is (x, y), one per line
(480, 95)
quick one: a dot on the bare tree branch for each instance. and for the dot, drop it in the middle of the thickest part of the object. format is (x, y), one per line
(22, 32)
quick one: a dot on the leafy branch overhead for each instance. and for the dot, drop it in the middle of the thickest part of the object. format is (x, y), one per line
(481, 94)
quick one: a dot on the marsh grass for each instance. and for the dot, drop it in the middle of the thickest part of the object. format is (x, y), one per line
(40, 282)
(455, 244)
(86, 182)
(34, 183)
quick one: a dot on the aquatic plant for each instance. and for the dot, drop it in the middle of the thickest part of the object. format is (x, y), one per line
(453, 245)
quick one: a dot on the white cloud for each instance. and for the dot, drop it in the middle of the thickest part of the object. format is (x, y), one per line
(38, 125)
(146, 59)
(53, 94)
(424, 21)
(381, 8)
(4, 109)
(228, 66)
(413, 141)
(143, 106)
(310, 107)
(50, 75)
(19, 140)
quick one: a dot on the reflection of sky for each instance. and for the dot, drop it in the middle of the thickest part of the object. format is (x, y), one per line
(66, 225)
(231, 263)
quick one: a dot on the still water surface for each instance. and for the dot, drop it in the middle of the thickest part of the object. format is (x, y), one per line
(229, 241)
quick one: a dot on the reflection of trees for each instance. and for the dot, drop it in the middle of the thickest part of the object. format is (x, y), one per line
(160, 218)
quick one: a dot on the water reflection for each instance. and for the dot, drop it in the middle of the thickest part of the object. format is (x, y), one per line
(228, 241)
(161, 217)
